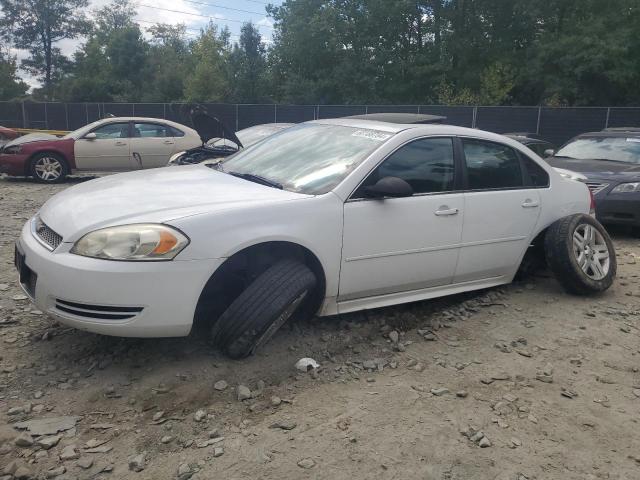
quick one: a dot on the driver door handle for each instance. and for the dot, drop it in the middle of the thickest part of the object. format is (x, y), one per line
(168, 142)
(120, 144)
(530, 203)
(445, 211)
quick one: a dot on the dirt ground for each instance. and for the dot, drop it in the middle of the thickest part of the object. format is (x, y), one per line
(521, 382)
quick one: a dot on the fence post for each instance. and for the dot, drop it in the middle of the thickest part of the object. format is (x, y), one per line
(66, 115)
(46, 116)
(475, 114)
(606, 123)
(237, 120)
(24, 116)
(275, 113)
(538, 122)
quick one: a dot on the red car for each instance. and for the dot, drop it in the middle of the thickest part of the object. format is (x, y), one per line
(112, 144)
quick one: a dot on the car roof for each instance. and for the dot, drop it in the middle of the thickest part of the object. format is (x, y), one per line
(610, 134)
(404, 118)
(424, 129)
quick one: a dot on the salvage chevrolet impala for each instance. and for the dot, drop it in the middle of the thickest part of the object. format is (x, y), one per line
(326, 217)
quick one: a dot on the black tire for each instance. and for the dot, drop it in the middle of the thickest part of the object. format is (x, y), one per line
(562, 253)
(47, 167)
(263, 307)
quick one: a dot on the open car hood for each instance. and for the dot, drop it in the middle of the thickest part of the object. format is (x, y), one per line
(31, 137)
(209, 127)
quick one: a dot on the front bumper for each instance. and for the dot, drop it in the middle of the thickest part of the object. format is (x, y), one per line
(619, 209)
(13, 164)
(125, 299)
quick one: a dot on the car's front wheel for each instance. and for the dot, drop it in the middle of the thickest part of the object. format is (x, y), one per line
(581, 255)
(49, 168)
(263, 307)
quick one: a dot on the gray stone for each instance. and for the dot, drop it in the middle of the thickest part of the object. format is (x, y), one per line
(218, 452)
(48, 442)
(220, 385)
(137, 463)
(276, 401)
(183, 470)
(15, 411)
(48, 426)
(56, 472)
(484, 443)
(200, 415)
(285, 424)
(85, 463)
(394, 336)
(438, 392)
(23, 473)
(462, 394)
(166, 439)
(69, 453)
(24, 440)
(243, 392)
(306, 463)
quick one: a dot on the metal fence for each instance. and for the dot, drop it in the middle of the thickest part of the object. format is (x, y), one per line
(555, 124)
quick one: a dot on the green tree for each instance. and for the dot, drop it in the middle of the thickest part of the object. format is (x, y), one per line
(168, 63)
(37, 25)
(208, 78)
(248, 67)
(11, 86)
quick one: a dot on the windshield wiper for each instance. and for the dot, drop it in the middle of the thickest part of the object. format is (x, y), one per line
(257, 179)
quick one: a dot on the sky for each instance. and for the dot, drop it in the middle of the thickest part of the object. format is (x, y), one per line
(193, 13)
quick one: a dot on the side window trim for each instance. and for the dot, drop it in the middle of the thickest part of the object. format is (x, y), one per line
(456, 171)
(167, 128)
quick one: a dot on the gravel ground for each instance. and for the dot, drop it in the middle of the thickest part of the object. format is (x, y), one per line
(521, 382)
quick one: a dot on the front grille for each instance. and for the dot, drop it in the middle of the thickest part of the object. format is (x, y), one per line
(97, 312)
(46, 235)
(596, 187)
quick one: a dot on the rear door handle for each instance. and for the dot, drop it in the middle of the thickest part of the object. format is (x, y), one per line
(168, 142)
(121, 144)
(530, 204)
(445, 211)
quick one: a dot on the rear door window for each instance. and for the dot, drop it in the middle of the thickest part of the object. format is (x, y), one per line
(491, 165)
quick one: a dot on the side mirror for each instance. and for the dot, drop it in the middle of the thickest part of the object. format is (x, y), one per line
(90, 136)
(549, 152)
(393, 187)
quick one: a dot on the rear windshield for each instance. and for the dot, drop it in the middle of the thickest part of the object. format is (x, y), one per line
(620, 149)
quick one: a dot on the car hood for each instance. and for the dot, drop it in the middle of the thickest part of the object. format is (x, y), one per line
(210, 128)
(31, 137)
(597, 168)
(152, 196)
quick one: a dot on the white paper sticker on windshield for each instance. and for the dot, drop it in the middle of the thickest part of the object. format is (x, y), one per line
(372, 135)
(634, 140)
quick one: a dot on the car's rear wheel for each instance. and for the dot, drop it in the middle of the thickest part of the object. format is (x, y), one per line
(263, 307)
(49, 168)
(581, 255)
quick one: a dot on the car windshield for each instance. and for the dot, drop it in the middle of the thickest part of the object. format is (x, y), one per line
(619, 149)
(251, 135)
(76, 133)
(308, 158)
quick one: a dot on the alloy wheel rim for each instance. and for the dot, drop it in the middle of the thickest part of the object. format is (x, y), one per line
(591, 251)
(48, 169)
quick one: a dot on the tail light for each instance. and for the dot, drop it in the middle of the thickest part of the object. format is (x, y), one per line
(592, 206)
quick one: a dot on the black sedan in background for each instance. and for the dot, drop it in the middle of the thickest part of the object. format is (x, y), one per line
(535, 142)
(611, 162)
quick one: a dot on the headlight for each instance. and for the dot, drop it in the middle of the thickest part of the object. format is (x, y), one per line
(174, 159)
(627, 188)
(15, 149)
(139, 242)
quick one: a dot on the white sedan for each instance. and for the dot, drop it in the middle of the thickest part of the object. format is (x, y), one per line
(326, 217)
